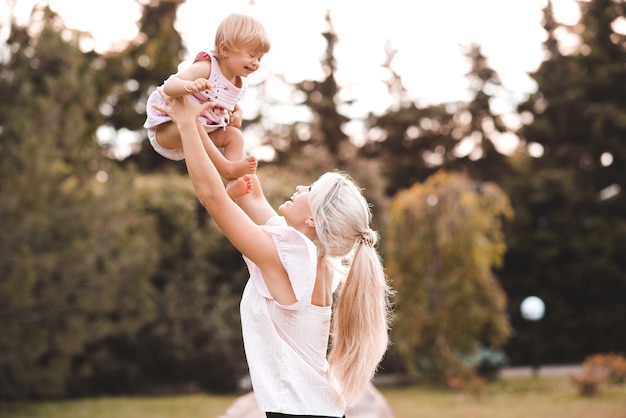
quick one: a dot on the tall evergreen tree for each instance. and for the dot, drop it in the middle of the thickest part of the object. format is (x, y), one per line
(413, 142)
(409, 142)
(568, 243)
(478, 126)
(324, 145)
(305, 149)
(67, 247)
(132, 73)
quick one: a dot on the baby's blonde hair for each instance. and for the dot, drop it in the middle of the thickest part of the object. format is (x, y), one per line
(239, 31)
(362, 312)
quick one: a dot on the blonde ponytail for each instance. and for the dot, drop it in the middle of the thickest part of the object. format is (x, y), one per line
(361, 315)
(360, 323)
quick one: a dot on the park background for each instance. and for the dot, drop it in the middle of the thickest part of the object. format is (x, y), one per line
(115, 281)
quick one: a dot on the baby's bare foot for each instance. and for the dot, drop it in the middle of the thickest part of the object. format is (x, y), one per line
(239, 187)
(236, 169)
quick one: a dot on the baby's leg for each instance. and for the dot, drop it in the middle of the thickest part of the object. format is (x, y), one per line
(168, 137)
(239, 187)
(234, 161)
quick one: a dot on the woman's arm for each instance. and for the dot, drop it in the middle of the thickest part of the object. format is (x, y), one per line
(255, 203)
(249, 238)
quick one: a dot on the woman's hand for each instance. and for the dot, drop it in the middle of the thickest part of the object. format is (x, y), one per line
(236, 117)
(181, 109)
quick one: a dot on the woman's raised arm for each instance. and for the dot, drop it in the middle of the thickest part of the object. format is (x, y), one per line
(255, 203)
(237, 226)
(240, 229)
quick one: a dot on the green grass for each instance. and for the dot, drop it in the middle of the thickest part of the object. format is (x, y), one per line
(530, 397)
(546, 397)
(189, 406)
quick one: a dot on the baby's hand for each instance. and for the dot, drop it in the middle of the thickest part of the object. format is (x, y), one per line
(197, 85)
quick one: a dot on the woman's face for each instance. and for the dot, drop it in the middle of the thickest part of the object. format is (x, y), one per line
(296, 210)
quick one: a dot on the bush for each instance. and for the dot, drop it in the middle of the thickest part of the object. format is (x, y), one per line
(489, 362)
(588, 381)
(613, 365)
(599, 369)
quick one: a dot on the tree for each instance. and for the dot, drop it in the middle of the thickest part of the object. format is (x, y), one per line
(409, 142)
(568, 243)
(132, 73)
(478, 126)
(321, 144)
(67, 247)
(412, 142)
(306, 149)
(443, 239)
(194, 338)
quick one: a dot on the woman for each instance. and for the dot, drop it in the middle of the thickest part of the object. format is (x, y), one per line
(286, 305)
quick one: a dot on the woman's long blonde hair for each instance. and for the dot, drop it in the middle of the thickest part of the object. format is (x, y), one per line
(362, 314)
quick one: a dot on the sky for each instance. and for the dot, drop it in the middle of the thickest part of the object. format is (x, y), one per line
(509, 32)
(428, 35)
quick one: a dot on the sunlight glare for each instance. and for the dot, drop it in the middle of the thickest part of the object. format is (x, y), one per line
(606, 159)
(464, 147)
(506, 143)
(619, 25)
(534, 149)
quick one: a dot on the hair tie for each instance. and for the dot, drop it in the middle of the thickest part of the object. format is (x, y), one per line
(367, 237)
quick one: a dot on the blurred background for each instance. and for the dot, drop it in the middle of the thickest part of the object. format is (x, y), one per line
(488, 137)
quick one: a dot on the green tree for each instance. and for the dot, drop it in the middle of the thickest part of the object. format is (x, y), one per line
(411, 142)
(304, 150)
(195, 337)
(478, 125)
(68, 250)
(130, 75)
(568, 243)
(321, 144)
(443, 240)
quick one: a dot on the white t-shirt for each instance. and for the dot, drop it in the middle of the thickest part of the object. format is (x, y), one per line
(286, 345)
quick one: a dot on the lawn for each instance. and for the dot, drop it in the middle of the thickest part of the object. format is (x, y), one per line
(528, 397)
(549, 397)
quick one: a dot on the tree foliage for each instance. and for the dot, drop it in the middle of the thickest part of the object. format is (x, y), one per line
(68, 250)
(131, 75)
(568, 244)
(192, 339)
(444, 238)
(310, 148)
(115, 280)
(321, 144)
(112, 281)
(411, 142)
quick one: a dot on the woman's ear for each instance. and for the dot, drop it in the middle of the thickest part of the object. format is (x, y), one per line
(310, 223)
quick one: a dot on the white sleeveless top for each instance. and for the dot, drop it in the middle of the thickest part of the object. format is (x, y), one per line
(222, 92)
(286, 345)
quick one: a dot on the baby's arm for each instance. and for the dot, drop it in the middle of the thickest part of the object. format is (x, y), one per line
(190, 80)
